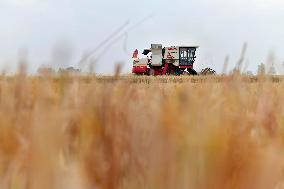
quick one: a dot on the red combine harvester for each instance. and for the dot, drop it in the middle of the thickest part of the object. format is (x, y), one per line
(175, 60)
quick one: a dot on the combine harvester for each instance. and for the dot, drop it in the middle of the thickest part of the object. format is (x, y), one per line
(175, 60)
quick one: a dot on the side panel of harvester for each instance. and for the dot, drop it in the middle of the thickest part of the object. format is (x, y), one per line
(141, 66)
(171, 55)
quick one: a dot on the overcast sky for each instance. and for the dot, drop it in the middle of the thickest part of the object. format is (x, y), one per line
(219, 27)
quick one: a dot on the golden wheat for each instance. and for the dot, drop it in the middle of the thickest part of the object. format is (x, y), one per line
(141, 132)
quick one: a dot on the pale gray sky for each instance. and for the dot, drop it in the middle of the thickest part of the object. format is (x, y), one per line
(219, 27)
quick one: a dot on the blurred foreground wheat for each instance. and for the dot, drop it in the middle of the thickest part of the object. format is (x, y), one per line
(140, 132)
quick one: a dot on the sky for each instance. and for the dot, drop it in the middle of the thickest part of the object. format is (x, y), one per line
(60, 32)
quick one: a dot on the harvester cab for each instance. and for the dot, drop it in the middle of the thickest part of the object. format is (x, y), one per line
(187, 56)
(174, 60)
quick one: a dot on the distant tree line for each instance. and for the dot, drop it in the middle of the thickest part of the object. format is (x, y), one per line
(44, 70)
(262, 70)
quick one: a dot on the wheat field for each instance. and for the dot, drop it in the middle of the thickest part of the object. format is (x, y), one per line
(92, 132)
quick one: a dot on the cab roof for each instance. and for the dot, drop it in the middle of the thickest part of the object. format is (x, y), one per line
(184, 46)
